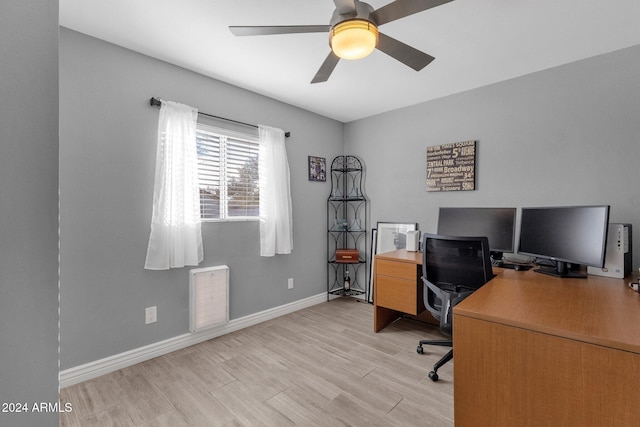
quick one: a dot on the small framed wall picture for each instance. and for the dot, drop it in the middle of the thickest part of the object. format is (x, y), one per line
(317, 168)
(452, 167)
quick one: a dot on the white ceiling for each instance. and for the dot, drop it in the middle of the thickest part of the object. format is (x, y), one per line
(475, 43)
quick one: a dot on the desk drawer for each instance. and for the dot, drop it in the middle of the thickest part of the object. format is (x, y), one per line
(396, 293)
(402, 270)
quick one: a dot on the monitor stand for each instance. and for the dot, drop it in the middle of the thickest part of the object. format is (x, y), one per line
(561, 270)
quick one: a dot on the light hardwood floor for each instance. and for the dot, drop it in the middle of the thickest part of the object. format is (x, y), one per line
(320, 366)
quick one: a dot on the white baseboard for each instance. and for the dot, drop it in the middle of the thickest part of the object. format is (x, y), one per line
(100, 367)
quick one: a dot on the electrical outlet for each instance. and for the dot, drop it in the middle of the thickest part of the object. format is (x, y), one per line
(150, 315)
(290, 283)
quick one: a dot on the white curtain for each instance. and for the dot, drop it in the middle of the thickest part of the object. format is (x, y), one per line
(176, 237)
(276, 224)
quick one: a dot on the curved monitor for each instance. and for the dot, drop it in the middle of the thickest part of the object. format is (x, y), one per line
(570, 234)
(497, 224)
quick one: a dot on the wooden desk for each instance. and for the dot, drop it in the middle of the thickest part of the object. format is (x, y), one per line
(534, 350)
(397, 287)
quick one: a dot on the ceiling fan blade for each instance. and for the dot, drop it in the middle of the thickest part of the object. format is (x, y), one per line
(401, 8)
(345, 7)
(278, 29)
(326, 68)
(404, 53)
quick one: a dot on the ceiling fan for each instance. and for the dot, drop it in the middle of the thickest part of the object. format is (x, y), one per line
(353, 33)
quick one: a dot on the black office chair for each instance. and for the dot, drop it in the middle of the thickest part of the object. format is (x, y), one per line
(452, 269)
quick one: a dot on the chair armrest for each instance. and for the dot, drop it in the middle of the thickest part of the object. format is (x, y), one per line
(435, 310)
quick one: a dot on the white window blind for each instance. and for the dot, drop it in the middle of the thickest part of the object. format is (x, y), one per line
(228, 174)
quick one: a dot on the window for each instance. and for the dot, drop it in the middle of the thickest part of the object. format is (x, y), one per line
(228, 174)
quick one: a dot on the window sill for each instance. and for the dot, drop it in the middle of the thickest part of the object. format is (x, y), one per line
(237, 219)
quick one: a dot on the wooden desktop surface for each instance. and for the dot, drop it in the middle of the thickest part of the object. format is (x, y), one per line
(597, 310)
(531, 350)
(402, 255)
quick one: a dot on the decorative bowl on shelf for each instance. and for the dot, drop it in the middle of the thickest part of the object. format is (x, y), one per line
(340, 225)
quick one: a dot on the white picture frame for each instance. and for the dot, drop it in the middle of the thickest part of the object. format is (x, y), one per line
(392, 236)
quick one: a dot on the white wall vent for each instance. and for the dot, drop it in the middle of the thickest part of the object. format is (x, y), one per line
(208, 297)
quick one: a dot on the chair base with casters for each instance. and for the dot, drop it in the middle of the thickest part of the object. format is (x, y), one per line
(444, 359)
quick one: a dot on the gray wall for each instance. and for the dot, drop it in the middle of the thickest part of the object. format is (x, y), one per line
(29, 208)
(107, 160)
(564, 136)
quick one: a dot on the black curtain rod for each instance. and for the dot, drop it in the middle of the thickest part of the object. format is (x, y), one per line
(155, 102)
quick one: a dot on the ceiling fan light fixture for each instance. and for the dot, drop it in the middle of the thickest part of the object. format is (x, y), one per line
(353, 39)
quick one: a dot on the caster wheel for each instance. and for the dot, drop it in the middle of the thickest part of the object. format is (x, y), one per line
(433, 376)
(419, 350)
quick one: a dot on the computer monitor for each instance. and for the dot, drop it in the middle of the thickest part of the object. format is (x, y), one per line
(497, 224)
(570, 234)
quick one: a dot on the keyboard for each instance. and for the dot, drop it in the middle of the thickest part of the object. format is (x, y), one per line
(519, 267)
(509, 265)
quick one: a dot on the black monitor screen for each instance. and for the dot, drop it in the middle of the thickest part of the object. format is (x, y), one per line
(497, 224)
(572, 234)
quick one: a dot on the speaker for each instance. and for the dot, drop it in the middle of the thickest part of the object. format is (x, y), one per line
(617, 261)
(413, 240)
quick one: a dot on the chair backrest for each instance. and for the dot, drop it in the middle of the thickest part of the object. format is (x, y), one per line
(453, 267)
